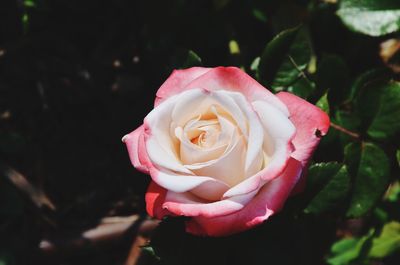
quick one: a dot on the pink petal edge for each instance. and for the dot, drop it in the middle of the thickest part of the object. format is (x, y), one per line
(227, 78)
(268, 201)
(311, 123)
(137, 150)
(177, 81)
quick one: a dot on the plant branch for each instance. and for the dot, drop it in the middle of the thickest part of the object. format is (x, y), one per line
(345, 131)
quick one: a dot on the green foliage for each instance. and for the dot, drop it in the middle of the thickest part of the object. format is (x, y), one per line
(363, 80)
(370, 168)
(284, 60)
(387, 242)
(347, 250)
(386, 122)
(398, 156)
(360, 250)
(331, 183)
(378, 106)
(6, 258)
(370, 17)
(323, 103)
(393, 193)
(191, 60)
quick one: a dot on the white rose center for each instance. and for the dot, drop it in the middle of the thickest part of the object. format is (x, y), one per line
(215, 135)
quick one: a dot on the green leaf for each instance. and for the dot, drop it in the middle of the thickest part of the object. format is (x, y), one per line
(303, 88)
(234, 47)
(254, 64)
(285, 58)
(347, 250)
(259, 15)
(387, 242)
(323, 103)
(29, 3)
(393, 192)
(150, 251)
(378, 106)
(192, 59)
(370, 168)
(370, 17)
(398, 156)
(386, 122)
(332, 182)
(381, 215)
(365, 78)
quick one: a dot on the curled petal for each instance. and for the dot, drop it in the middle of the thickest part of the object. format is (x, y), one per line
(311, 123)
(177, 81)
(136, 149)
(182, 183)
(229, 168)
(155, 197)
(234, 79)
(185, 204)
(268, 201)
(278, 131)
(254, 158)
(160, 144)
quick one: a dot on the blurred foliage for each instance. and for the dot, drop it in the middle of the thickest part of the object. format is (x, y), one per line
(75, 76)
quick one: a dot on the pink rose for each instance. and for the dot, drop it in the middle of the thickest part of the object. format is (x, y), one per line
(223, 150)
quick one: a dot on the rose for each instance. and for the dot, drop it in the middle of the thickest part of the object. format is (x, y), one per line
(223, 150)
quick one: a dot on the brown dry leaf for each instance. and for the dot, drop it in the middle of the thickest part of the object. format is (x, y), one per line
(388, 50)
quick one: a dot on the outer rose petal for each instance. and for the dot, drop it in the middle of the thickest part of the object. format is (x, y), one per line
(137, 150)
(185, 204)
(177, 81)
(311, 123)
(155, 197)
(269, 200)
(227, 78)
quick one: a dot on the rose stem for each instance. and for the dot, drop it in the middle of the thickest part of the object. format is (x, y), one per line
(345, 131)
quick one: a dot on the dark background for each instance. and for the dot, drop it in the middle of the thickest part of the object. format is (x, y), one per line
(76, 76)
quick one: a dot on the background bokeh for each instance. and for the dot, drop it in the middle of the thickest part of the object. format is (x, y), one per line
(75, 76)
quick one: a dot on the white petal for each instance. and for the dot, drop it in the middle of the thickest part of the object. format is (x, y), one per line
(254, 154)
(162, 158)
(278, 132)
(275, 122)
(161, 144)
(228, 168)
(189, 205)
(183, 183)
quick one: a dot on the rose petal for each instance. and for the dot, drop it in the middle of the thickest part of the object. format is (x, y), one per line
(234, 79)
(268, 201)
(177, 81)
(254, 158)
(160, 143)
(311, 123)
(278, 131)
(182, 183)
(196, 102)
(186, 204)
(155, 197)
(191, 153)
(229, 168)
(137, 153)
